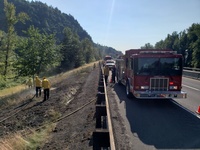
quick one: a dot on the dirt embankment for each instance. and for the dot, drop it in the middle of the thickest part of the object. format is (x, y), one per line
(71, 108)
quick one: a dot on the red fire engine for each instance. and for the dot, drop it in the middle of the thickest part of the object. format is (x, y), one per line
(151, 73)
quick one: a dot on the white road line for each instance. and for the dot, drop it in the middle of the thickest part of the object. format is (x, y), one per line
(191, 112)
(191, 87)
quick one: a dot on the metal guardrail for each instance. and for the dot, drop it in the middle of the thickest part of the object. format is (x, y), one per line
(103, 137)
(193, 69)
(191, 73)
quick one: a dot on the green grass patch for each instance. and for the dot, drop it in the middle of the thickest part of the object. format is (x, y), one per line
(37, 139)
(31, 141)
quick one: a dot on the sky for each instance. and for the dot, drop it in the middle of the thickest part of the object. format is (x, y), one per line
(130, 24)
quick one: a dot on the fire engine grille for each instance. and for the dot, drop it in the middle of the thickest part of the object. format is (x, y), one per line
(159, 84)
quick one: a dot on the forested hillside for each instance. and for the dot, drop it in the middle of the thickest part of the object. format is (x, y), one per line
(36, 38)
(47, 19)
(43, 17)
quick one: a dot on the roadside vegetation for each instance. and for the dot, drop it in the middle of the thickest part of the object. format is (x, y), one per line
(29, 139)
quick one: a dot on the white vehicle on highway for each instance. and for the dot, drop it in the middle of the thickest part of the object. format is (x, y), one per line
(110, 63)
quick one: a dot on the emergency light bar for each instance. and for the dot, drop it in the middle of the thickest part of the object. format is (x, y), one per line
(158, 52)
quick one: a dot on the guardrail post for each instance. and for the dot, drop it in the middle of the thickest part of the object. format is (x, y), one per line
(101, 139)
(100, 113)
(101, 98)
(101, 89)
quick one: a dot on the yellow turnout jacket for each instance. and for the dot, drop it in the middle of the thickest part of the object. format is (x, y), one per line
(106, 71)
(45, 84)
(38, 82)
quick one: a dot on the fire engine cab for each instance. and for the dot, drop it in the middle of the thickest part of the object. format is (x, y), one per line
(151, 73)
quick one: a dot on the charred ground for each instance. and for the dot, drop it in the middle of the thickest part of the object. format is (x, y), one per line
(70, 110)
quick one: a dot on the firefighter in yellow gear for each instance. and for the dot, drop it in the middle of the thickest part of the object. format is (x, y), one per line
(46, 87)
(29, 83)
(38, 86)
(106, 73)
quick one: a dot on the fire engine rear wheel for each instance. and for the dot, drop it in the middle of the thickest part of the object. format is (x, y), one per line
(128, 93)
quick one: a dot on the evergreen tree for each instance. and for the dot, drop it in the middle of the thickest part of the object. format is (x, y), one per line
(147, 46)
(36, 53)
(88, 50)
(71, 50)
(194, 46)
(11, 19)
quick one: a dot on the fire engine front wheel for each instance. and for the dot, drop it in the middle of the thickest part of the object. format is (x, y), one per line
(128, 93)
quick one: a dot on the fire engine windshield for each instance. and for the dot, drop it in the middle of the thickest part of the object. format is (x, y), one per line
(158, 66)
